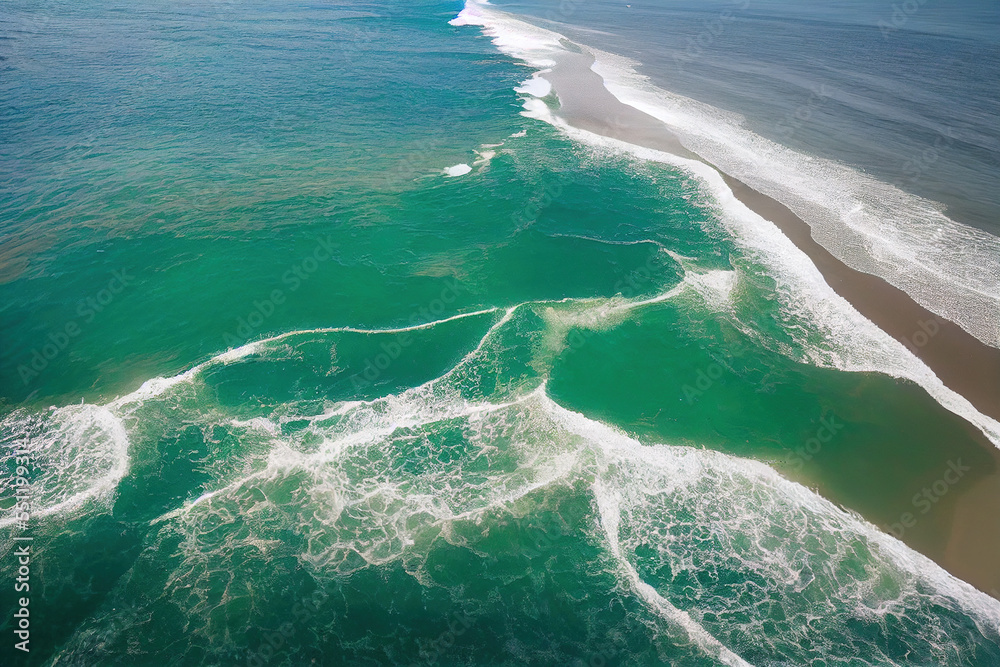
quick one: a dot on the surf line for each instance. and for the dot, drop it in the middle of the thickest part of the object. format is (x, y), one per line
(156, 386)
(962, 362)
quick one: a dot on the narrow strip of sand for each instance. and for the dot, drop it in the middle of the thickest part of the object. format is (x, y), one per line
(962, 362)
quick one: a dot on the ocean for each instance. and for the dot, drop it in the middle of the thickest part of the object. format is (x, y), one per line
(327, 340)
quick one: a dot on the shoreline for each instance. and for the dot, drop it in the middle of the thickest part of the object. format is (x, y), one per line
(962, 362)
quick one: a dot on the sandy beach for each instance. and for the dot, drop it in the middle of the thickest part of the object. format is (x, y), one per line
(964, 542)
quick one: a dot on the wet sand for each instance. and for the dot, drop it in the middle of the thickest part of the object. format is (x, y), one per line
(969, 543)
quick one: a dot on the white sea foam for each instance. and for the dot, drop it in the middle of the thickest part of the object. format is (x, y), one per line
(950, 268)
(259, 423)
(609, 504)
(532, 44)
(756, 522)
(82, 451)
(388, 482)
(384, 480)
(457, 170)
(852, 342)
(715, 287)
(536, 86)
(372, 482)
(79, 453)
(484, 157)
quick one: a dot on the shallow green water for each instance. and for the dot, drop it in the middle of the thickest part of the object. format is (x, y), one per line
(508, 417)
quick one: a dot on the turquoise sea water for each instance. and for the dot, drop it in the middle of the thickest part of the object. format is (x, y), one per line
(295, 395)
(874, 121)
